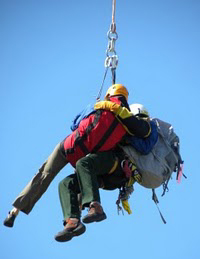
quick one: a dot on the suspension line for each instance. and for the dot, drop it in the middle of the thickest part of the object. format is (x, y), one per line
(111, 60)
(113, 11)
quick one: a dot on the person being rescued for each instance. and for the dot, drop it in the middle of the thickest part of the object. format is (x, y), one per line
(101, 130)
(108, 170)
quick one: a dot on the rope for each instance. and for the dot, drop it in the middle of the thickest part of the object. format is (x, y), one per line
(101, 88)
(111, 60)
(113, 11)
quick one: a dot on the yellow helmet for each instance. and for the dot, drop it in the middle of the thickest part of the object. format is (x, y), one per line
(117, 89)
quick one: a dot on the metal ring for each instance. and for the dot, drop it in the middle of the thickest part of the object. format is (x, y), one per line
(107, 53)
(110, 35)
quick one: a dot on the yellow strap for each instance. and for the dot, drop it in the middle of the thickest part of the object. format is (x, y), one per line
(130, 182)
(126, 206)
(114, 166)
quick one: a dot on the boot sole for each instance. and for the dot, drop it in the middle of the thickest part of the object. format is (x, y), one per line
(94, 218)
(67, 236)
(9, 221)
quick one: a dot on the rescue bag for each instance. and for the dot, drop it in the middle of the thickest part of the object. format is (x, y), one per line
(157, 166)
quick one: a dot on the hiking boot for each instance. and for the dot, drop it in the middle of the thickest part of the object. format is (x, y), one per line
(9, 221)
(73, 227)
(95, 213)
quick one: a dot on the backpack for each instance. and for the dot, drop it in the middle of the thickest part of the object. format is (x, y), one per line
(158, 165)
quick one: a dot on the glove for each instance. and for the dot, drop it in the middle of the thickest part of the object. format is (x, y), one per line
(118, 110)
(108, 105)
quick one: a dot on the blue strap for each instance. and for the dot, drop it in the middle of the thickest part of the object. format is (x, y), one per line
(82, 115)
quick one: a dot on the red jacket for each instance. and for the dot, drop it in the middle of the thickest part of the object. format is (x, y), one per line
(101, 131)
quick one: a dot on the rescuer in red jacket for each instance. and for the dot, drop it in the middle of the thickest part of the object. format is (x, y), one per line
(100, 131)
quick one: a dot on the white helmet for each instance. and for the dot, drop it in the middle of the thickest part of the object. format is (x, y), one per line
(139, 109)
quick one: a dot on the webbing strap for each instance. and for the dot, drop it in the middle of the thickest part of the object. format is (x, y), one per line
(113, 70)
(155, 199)
(106, 135)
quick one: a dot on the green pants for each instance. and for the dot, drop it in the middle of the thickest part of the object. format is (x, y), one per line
(87, 170)
(90, 170)
(68, 193)
(40, 182)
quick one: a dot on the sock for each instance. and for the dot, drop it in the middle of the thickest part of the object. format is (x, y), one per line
(14, 211)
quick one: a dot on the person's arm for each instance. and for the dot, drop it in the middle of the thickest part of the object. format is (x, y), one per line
(133, 125)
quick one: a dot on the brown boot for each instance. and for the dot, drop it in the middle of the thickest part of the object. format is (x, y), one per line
(73, 227)
(95, 213)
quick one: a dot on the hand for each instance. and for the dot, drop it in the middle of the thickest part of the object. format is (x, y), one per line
(119, 111)
(108, 105)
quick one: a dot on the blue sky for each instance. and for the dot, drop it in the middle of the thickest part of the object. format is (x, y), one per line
(52, 56)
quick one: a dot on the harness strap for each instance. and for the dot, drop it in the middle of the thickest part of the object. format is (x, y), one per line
(106, 136)
(79, 140)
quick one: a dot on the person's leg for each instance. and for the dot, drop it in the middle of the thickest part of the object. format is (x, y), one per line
(68, 193)
(87, 169)
(39, 183)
